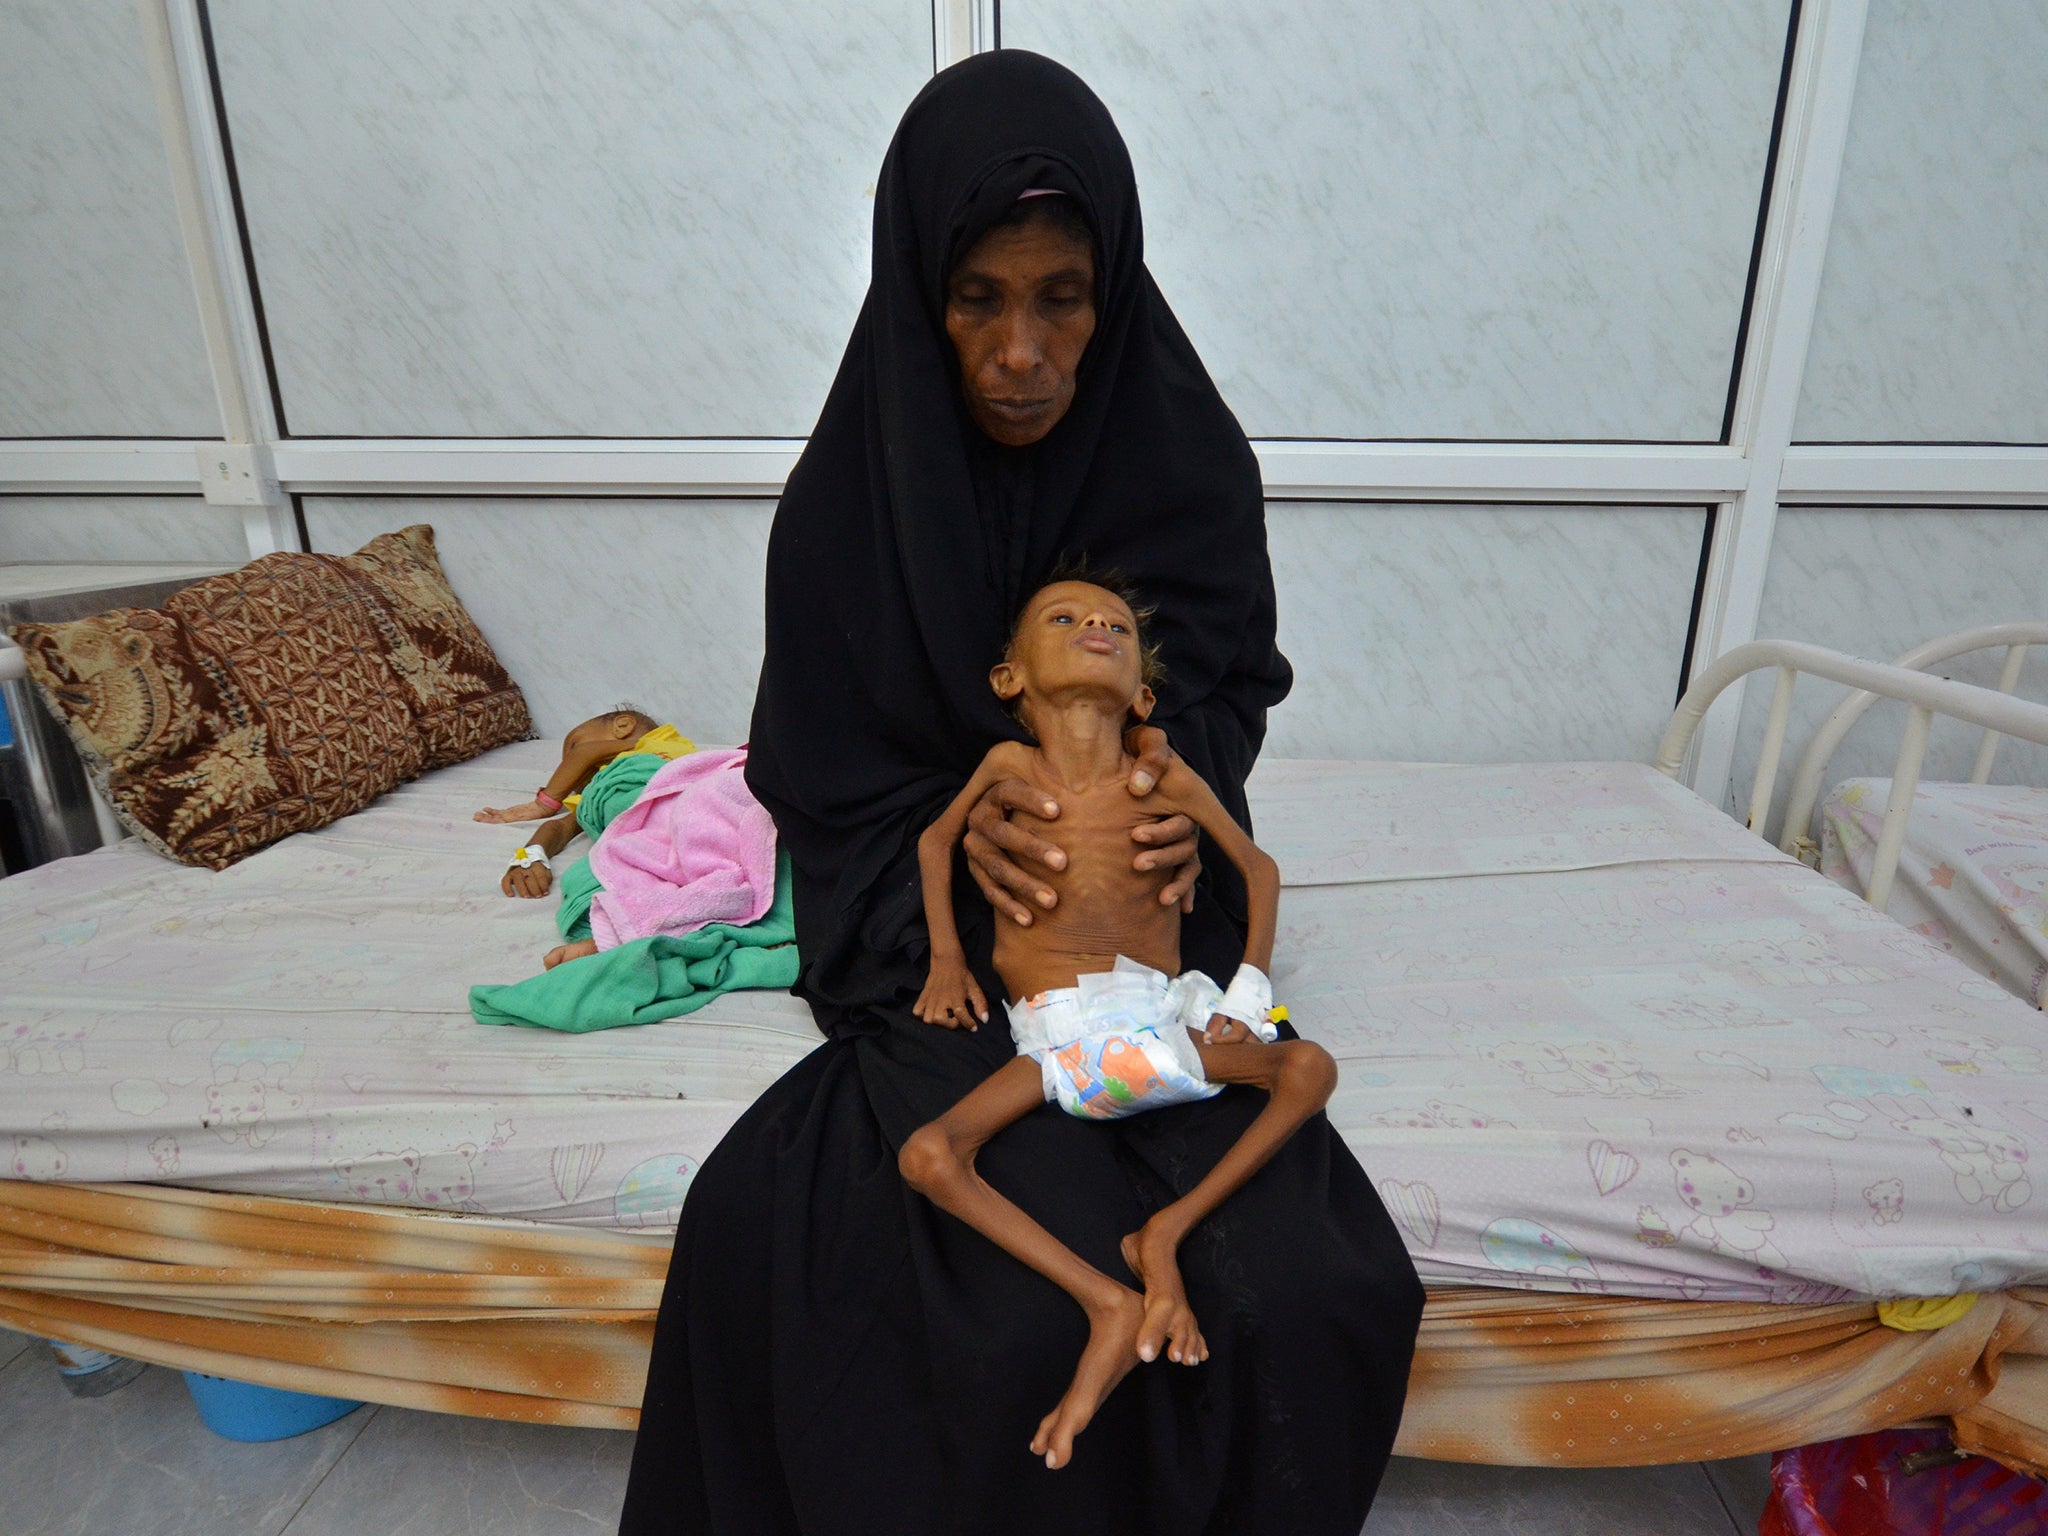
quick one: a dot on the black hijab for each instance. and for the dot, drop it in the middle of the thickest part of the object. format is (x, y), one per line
(906, 540)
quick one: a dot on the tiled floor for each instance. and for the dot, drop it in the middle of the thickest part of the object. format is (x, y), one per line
(139, 1463)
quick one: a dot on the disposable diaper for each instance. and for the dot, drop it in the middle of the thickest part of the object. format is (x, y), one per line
(1119, 1042)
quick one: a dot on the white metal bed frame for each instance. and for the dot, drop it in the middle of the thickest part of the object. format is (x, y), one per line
(1813, 763)
(1998, 712)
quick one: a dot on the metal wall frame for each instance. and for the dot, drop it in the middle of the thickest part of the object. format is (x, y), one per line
(1745, 479)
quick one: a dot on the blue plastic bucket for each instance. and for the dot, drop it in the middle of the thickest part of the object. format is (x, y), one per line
(238, 1410)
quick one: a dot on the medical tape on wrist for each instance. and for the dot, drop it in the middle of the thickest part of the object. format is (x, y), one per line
(530, 855)
(1249, 999)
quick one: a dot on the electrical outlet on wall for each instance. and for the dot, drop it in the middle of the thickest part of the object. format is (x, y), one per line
(238, 475)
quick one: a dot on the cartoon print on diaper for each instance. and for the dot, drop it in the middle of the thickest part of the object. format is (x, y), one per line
(249, 1086)
(44, 1043)
(36, 1157)
(1524, 1247)
(1887, 1201)
(1722, 1215)
(1779, 952)
(651, 1194)
(1988, 1165)
(1103, 1078)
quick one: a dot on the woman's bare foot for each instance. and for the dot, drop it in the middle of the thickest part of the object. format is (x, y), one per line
(561, 952)
(1169, 1322)
(533, 810)
(1109, 1357)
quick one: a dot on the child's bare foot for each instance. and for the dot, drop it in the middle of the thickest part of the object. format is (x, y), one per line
(561, 952)
(533, 810)
(1169, 1322)
(1109, 1357)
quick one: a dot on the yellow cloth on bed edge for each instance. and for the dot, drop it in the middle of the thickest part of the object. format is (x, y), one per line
(1924, 1314)
(663, 741)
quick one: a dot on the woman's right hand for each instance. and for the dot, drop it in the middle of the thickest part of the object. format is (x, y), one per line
(994, 848)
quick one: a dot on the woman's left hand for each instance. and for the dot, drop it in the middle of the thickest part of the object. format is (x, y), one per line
(1171, 842)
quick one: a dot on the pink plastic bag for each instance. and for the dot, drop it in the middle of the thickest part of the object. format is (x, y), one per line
(1857, 1487)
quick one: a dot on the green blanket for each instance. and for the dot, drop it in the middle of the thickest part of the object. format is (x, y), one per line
(616, 785)
(651, 979)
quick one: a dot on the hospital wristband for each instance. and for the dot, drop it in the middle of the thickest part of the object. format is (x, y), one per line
(546, 801)
(1249, 999)
(530, 855)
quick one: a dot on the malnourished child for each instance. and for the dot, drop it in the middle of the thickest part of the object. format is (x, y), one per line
(592, 748)
(1104, 1022)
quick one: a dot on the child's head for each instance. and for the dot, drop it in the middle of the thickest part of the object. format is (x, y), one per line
(624, 724)
(1080, 636)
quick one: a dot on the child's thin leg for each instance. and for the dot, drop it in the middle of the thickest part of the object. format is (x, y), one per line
(1298, 1077)
(938, 1162)
(561, 952)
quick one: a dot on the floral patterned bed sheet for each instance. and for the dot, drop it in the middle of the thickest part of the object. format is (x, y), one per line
(298, 1025)
(1594, 1036)
(1973, 871)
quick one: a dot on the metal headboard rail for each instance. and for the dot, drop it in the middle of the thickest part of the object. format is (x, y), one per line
(1926, 697)
(1807, 779)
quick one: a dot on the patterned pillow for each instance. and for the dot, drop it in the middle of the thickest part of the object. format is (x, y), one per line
(276, 698)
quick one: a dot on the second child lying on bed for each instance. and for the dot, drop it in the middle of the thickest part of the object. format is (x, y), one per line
(1103, 1020)
(588, 750)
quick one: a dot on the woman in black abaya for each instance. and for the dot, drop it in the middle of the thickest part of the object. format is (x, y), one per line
(833, 1355)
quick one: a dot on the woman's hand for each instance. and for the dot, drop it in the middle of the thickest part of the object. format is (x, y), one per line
(1172, 841)
(993, 848)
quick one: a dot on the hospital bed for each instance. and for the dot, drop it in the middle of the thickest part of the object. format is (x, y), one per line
(1697, 1152)
(1971, 871)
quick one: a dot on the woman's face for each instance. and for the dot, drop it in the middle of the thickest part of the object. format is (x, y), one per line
(1020, 307)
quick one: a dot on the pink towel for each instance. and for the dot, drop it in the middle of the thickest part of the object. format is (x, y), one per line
(695, 848)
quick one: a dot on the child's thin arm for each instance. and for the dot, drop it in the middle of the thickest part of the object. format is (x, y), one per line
(951, 985)
(1186, 790)
(551, 837)
(578, 766)
(935, 855)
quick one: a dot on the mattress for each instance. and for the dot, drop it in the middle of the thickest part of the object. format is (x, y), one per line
(1594, 1037)
(1973, 871)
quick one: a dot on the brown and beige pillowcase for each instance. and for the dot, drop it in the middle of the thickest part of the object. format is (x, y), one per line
(278, 697)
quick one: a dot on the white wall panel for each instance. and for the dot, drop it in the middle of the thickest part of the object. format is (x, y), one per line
(99, 334)
(126, 528)
(538, 219)
(1472, 634)
(593, 603)
(1480, 634)
(1445, 218)
(1933, 317)
(1875, 582)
